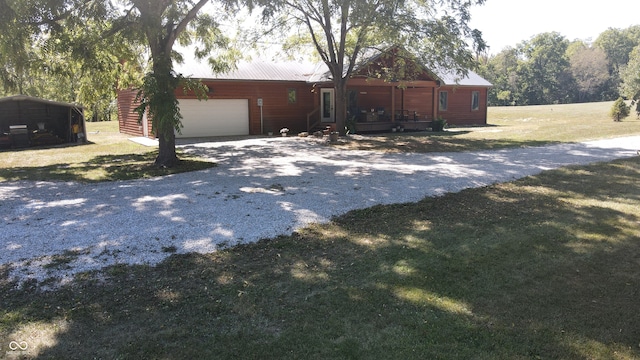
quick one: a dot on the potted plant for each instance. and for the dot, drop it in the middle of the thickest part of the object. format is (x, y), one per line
(333, 136)
(284, 131)
(439, 124)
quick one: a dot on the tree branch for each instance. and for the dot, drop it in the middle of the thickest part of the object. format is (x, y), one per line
(183, 24)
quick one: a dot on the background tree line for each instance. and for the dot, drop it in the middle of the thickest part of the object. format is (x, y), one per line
(550, 69)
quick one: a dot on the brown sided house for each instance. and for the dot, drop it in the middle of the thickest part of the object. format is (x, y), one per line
(263, 97)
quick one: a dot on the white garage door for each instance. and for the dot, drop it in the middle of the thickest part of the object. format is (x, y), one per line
(214, 117)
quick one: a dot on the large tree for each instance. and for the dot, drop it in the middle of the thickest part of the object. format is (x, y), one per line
(630, 75)
(617, 44)
(544, 73)
(342, 32)
(502, 71)
(77, 29)
(46, 52)
(589, 69)
(164, 23)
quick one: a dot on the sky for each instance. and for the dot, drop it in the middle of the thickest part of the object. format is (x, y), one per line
(508, 22)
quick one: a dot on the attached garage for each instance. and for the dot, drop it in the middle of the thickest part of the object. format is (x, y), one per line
(214, 117)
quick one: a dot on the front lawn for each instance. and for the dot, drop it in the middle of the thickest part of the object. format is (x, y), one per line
(510, 127)
(108, 156)
(546, 267)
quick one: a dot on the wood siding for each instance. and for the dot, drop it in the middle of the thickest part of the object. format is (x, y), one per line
(418, 100)
(459, 111)
(277, 111)
(127, 117)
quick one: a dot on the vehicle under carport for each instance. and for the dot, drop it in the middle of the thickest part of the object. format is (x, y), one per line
(30, 121)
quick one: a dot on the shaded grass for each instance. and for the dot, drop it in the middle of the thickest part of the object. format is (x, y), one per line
(104, 168)
(109, 156)
(545, 267)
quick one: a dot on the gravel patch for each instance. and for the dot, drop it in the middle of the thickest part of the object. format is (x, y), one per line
(262, 188)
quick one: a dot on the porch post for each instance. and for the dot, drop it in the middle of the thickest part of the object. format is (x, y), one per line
(393, 103)
(436, 102)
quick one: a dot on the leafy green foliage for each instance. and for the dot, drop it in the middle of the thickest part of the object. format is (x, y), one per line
(161, 24)
(545, 68)
(589, 69)
(162, 105)
(630, 75)
(48, 52)
(439, 124)
(549, 69)
(82, 51)
(619, 110)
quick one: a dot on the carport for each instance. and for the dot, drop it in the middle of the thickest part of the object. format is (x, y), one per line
(30, 121)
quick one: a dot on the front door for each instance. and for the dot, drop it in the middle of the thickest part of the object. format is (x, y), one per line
(327, 107)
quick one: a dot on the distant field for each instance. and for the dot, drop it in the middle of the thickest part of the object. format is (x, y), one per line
(562, 123)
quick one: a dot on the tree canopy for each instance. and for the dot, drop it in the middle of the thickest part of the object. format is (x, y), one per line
(630, 75)
(342, 32)
(90, 48)
(549, 68)
(46, 51)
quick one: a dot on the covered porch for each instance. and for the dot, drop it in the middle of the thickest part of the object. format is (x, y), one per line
(374, 105)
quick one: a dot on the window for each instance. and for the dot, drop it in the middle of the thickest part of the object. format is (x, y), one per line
(444, 102)
(292, 96)
(475, 100)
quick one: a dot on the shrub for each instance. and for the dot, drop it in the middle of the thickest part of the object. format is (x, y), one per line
(439, 124)
(619, 110)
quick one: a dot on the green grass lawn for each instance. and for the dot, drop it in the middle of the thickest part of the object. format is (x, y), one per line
(546, 267)
(108, 156)
(511, 127)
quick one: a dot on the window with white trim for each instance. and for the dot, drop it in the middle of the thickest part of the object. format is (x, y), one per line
(475, 100)
(444, 101)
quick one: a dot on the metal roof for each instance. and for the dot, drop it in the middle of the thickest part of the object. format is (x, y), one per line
(472, 79)
(38, 100)
(262, 70)
(259, 70)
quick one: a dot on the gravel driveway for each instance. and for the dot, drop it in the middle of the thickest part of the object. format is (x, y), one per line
(262, 188)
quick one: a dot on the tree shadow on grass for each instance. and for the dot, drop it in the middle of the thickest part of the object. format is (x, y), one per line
(44, 147)
(429, 142)
(104, 168)
(539, 268)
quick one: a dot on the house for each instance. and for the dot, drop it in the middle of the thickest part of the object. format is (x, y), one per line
(31, 121)
(262, 97)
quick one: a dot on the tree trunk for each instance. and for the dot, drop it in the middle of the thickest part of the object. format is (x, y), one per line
(341, 105)
(167, 156)
(165, 110)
